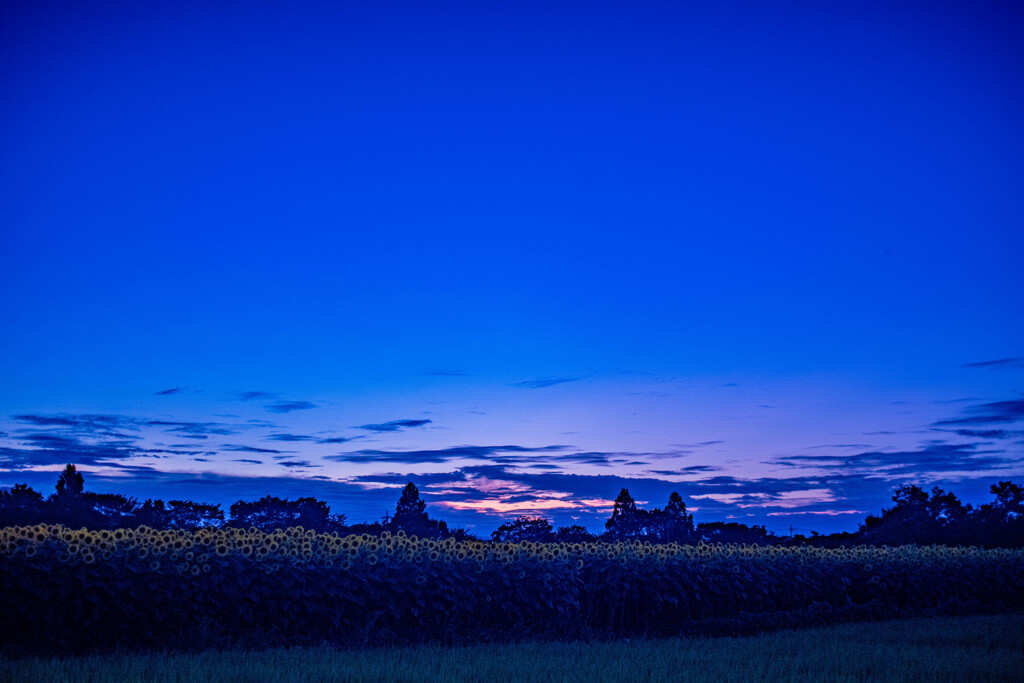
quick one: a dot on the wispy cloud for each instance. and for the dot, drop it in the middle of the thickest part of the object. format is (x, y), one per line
(297, 463)
(54, 449)
(543, 383)
(83, 424)
(690, 469)
(254, 395)
(931, 459)
(997, 364)
(251, 449)
(560, 456)
(247, 460)
(192, 430)
(996, 412)
(988, 433)
(480, 453)
(291, 437)
(394, 425)
(171, 391)
(289, 406)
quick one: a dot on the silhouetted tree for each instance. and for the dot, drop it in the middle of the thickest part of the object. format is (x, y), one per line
(410, 505)
(152, 513)
(70, 482)
(67, 505)
(73, 506)
(368, 528)
(106, 510)
(574, 534)
(627, 520)
(919, 518)
(841, 539)
(671, 525)
(185, 514)
(269, 513)
(178, 514)
(411, 516)
(462, 535)
(1009, 499)
(22, 506)
(734, 532)
(524, 528)
(1001, 522)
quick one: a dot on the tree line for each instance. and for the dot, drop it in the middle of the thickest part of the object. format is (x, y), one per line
(917, 516)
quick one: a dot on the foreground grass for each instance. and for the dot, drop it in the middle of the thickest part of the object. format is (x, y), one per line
(984, 648)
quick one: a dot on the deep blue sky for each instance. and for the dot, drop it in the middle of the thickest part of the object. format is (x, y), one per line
(524, 255)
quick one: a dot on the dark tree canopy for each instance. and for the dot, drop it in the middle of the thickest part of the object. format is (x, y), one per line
(179, 514)
(22, 506)
(411, 516)
(269, 513)
(410, 506)
(1009, 499)
(1001, 522)
(524, 528)
(671, 525)
(630, 522)
(627, 520)
(917, 517)
(575, 533)
(733, 532)
(71, 482)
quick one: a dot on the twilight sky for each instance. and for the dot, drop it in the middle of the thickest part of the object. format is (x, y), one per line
(767, 255)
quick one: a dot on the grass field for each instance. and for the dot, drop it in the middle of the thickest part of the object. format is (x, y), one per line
(983, 648)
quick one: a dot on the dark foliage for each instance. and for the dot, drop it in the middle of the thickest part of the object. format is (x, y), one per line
(734, 532)
(918, 517)
(269, 513)
(940, 518)
(411, 516)
(70, 483)
(178, 514)
(627, 520)
(574, 534)
(630, 522)
(525, 528)
(22, 506)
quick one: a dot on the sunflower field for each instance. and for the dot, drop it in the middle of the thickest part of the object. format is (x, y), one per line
(72, 590)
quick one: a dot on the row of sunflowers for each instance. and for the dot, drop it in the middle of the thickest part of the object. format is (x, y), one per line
(80, 589)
